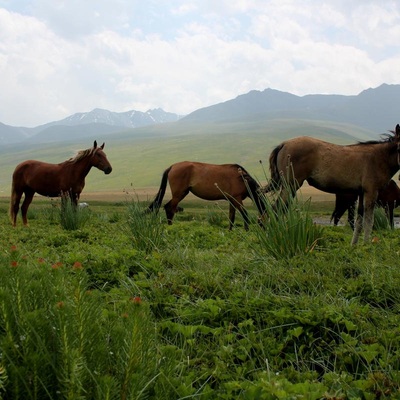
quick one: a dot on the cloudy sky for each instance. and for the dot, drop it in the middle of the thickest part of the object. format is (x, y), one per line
(58, 57)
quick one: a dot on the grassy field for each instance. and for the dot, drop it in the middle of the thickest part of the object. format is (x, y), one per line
(127, 307)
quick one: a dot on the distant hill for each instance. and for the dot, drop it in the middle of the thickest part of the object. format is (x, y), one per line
(373, 109)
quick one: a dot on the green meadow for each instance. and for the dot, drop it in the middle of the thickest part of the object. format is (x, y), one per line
(124, 306)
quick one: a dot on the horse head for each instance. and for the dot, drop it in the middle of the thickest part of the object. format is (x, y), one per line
(99, 159)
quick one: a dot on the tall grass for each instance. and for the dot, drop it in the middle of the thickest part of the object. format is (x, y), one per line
(61, 340)
(71, 216)
(287, 229)
(147, 230)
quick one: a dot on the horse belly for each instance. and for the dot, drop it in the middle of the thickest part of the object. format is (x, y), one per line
(209, 192)
(331, 185)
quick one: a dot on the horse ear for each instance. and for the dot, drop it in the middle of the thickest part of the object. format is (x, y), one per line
(398, 130)
(95, 144)
(102, 146)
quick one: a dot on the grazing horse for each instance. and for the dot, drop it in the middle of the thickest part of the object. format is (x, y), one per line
(363, 169)
(209, 182)
(54, 180)
(388, 199)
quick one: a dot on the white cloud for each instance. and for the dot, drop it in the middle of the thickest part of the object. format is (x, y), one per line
(57, 58)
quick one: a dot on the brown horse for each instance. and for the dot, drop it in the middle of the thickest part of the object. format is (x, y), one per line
(54, 180)
(209, 182)
(388, 199)
(362, 169)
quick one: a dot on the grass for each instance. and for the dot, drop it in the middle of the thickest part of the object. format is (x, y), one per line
(90, 313)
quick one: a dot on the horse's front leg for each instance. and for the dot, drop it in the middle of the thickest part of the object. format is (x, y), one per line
(75, 198)
(359, 221)
(369, 205)
(390, 214)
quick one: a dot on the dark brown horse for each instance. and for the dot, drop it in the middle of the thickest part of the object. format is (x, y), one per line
(362, 169)
(388, 199)
(54, 180)
(209, 182)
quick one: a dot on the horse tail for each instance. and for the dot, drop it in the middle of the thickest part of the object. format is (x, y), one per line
(253, 190)
(275, 181)
(13, 201)
(156, 203)
(11, 210)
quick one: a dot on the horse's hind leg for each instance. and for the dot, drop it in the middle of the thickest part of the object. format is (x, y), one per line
(14, 206)
(25, 205)
(232, 214)
(232, 210)
(350, 215)
(171, 208)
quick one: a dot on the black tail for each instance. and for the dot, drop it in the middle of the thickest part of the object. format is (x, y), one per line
(254, 190)
(156, 204)
(275, 182)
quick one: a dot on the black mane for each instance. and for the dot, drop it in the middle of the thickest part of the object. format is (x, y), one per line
(386, 138)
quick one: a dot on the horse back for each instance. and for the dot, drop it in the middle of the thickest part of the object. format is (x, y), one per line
(40, 177)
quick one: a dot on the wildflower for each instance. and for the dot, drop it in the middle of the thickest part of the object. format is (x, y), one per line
(13, 248)
(60, 304)
(375, 239)
(77, 265)
(57, 265)
(41, 260)
(136, 300)
(124, 315)
(14, 264)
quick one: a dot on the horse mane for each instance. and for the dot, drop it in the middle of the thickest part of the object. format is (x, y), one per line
(386, 138)
(81, 154)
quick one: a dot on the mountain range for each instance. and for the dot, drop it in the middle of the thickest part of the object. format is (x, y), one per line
(375, 110)
(97, 121)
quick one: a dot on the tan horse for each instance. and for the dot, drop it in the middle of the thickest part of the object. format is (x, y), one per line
(362, 169)
(54, 180)
(388, 199)
(209, 182)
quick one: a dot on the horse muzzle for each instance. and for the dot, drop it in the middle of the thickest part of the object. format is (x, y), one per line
(107, 170)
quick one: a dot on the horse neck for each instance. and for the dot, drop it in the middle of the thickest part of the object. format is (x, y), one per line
(79, 169)
(393, 161)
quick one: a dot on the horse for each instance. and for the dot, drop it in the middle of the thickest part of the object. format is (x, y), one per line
(362, 168)
(209, 182)
(388, 199)
(54, 180)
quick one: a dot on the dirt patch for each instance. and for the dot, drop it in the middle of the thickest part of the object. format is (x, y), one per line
(148, 193)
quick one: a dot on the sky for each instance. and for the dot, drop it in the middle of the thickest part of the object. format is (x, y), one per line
(60, 57)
